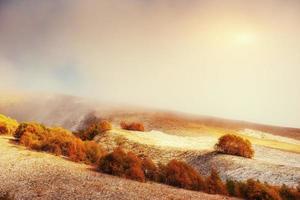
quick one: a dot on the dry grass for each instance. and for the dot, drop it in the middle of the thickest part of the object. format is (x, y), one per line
(34, 175)
(162, 147)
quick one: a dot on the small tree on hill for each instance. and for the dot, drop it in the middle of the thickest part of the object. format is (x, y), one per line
(94, 129)
(7, 125)
(214, 184)
(122, 164)
(180, 174)
(234, 145)
(134, 126)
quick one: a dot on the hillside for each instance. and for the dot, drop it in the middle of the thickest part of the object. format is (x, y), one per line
(33, 175)
(275, 166)
(69, 111)
(168, 136)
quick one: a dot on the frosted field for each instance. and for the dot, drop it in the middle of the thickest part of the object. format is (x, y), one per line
(158, 138)
(268, 136)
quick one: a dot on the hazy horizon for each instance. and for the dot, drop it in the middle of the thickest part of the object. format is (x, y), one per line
(232, 59)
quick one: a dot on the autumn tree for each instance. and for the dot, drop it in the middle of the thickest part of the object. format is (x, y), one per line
(122, 164)
(133, 126)
(234, 145)
(94, 129)
(257, 190)
(151, 171)
(182, 175)
(214, 184)
(7, 125)
(287, 193)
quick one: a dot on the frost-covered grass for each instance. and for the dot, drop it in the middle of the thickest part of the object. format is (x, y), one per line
(161, 139)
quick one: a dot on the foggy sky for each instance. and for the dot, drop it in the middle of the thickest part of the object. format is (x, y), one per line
(235, 59)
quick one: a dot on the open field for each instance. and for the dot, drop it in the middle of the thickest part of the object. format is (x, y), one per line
(275, 166)
(33, 175)
(168, 136)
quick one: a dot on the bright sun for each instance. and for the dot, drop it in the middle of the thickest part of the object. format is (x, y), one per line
(245, 38)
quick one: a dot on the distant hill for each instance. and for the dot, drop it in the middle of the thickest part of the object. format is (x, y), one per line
(69, 111)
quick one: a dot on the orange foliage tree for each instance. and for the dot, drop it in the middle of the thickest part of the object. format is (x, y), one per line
(58, 141)
(94, 129)
(234, 145)
(151, 171)
(122, 164)
(289, 193)
(7, 125)
(30, 127)
(257, 190)
(214, 184)
(134, 126)
(180, 174)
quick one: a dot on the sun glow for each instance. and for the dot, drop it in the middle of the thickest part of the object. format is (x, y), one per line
(245, 38)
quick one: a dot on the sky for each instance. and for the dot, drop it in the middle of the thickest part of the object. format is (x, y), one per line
(234, 59)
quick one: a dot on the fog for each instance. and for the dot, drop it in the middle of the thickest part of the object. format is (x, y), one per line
(233, 59)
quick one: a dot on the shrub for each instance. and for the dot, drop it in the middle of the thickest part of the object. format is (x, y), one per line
(230, 185)
(236, 188)
(134, 126)
(240, 189)
(289, 193)
(33, 140)
(53, 140)
(94, 129)
(151, 171)
(214, 184)
(234, 145)
(122, 164)
(7, 125)
(93, 152)
(30, 127)
(88, 120)
(58, 141)
(257, 190)
(182, 175)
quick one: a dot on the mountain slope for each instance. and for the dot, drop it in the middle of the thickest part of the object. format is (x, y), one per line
(33, 175)
(275, 166)
(68, 111)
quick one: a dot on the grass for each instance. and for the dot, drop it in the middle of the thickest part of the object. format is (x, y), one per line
(217, 132)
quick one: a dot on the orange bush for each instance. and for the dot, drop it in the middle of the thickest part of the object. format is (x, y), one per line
(94, 129)
(151, 171)
(58, 141)
(182, 175)
(214, 184)
(30, 127)
(3, 128)
(289, 193)
(134, 126)
(122, 164)
(33, 140)
(231, 189)
(234, 145)
(7, 125)
(257, 190)
(240, 189)
(93, 152)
